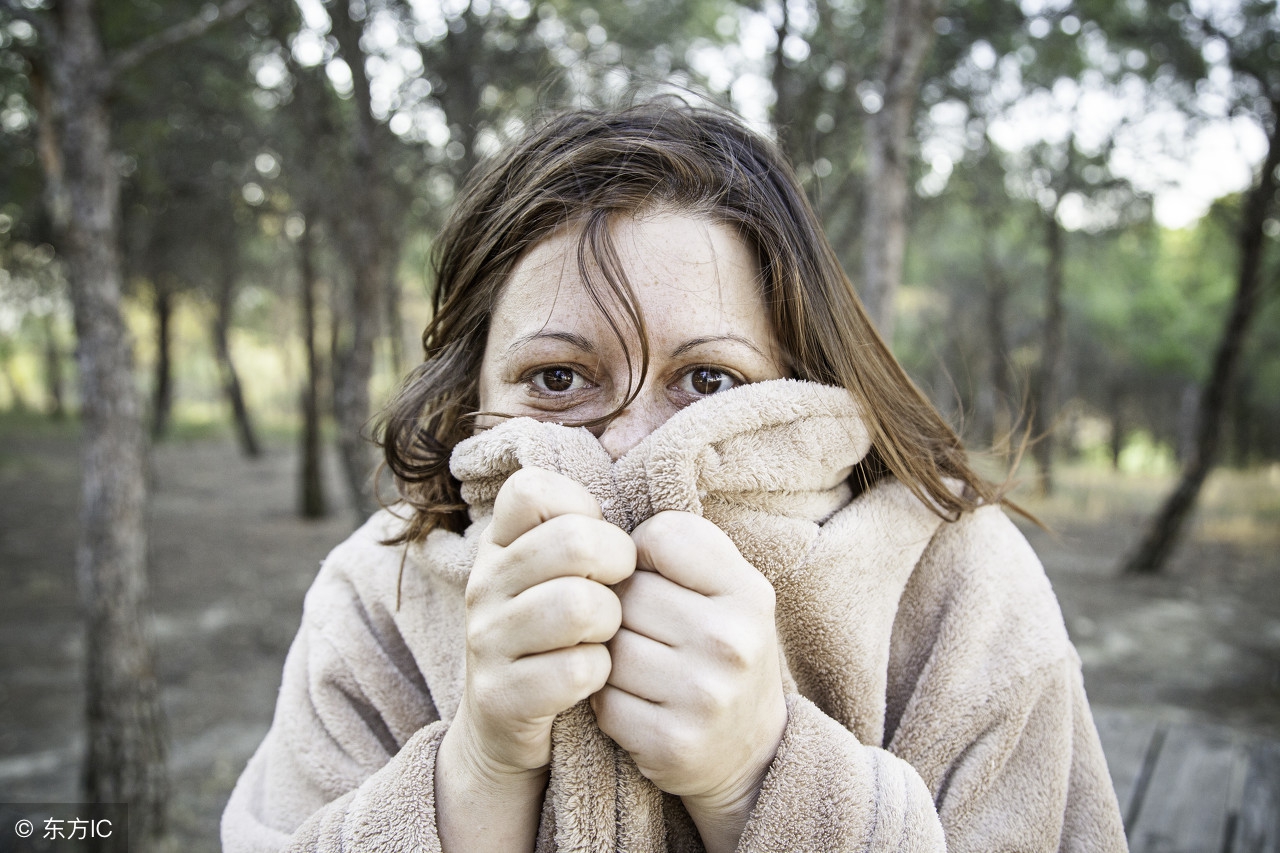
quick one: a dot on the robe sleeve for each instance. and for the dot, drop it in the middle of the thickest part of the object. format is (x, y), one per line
(349, 760)
(990, 744)
(827, 792)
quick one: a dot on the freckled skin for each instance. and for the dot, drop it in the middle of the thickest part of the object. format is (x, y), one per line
(678, 656)
(696, 284)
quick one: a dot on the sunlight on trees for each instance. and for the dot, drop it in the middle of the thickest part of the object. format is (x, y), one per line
(1062, 202)
(1097, 118)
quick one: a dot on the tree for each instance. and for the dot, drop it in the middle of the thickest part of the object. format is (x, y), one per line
(1165, 528)
(469, 77)
(311, 496)
(226, 272)
(187, 139)
(904, 45)
(1246, 37)
(125, 754)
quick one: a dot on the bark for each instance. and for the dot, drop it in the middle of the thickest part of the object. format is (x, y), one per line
(785, 85)
(311, 498)
(997, 299)
(907, 39)
(1117, 427)
(1166, 526)
(125, 747)
(53, 370)
(1046, 411)
(463, 82)
(365, 251)
(1002, 422)
(125, 752)
(231, 387)
(162, 397)
(395, 322)
(791, 112)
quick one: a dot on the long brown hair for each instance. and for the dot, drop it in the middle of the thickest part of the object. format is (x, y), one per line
(587, 167)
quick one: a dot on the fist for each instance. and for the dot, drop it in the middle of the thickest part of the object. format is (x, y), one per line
(539, 610)
(695, 691)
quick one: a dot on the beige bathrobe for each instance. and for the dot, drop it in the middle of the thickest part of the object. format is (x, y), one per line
(935, 702)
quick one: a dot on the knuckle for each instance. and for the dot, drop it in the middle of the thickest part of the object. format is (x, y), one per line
(669, 524)
(578, 606)
(523, 487)
(762, 594)
(763, 597)
(477, 590)
(737, 650)
(478, 627)
(580, 672)
(575, 539)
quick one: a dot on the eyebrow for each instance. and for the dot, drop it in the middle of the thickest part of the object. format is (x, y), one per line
(711, 339)
(570, 338)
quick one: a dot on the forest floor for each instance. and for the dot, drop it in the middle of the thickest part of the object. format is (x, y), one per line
(231, 561)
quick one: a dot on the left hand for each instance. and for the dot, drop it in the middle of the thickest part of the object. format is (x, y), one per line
(695, 693)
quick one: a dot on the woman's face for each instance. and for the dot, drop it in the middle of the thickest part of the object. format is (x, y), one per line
(551, 355)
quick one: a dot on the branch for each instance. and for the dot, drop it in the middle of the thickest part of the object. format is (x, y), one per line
(174, 35)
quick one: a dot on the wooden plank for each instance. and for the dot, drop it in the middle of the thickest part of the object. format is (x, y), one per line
(1186, 805)
(1258, 823)
(1126, 738)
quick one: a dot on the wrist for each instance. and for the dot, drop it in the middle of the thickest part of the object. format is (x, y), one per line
(483, 806)
(721, 815)
(721, 821)
(462, 752)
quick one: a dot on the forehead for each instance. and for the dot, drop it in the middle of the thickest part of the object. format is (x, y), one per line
(683, 269)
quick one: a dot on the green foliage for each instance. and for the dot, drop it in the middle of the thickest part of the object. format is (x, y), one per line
(233, 145)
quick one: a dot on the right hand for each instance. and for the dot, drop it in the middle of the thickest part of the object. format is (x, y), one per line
(539, 611)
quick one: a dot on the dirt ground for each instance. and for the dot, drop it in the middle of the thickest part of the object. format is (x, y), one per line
(230, 563)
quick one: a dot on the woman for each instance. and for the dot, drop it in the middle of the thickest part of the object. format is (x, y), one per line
(684, 561)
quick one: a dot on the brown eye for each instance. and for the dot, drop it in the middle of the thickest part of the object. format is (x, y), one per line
(557, 379)
(705, 381)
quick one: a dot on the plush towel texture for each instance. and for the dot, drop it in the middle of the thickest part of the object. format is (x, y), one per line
(935, 702)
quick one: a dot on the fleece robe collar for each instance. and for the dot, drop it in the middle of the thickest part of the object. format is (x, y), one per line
(769, 464)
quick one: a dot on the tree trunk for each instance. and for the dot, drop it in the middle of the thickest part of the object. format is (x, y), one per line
(907, 39)
(365, 247)
(461, 94)
(125, 753)
(53, 370)
(1117, 427)
(789, 119)
(997, 293)
(352, 370)
(1046, 410)
(1166, 527)
(162, 396)
(394, 318)
(245, 433)
(311, 499)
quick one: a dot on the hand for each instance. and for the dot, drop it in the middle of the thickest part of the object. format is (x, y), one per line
(695, 694)
(539, 609)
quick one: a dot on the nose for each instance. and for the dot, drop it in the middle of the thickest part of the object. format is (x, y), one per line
(633, 424)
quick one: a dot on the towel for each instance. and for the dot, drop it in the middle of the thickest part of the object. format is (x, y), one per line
(934, 700)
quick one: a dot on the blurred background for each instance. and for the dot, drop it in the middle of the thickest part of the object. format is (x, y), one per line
(215, 230)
